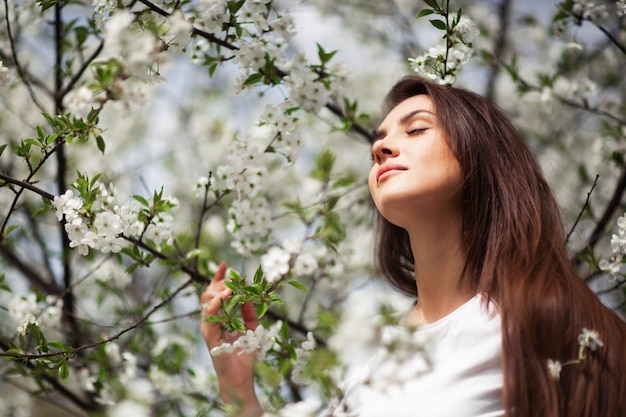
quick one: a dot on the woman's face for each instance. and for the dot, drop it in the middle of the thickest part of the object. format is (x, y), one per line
(414, 168)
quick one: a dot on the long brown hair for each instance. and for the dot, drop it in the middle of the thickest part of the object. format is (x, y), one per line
(513, 238)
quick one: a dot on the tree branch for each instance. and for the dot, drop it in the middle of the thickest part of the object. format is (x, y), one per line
(610, 209)
(31, 275)
(582, 210)
(499, 46)
(20, 70)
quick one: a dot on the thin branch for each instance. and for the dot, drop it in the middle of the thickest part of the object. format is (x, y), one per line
(56, 385)
(208, 36)
(612, 38)
(500, 45)
(20, 70)
(27, 185)
(80, 71)
(135, 325)
(598, 231)
(582, 210)
(29, 273)
(355, 127)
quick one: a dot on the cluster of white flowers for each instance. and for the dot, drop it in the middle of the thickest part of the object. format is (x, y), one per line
(179, 30)
(80, 101)
(358, 336)
(4, 74)
(109, 222)
(587, 339)
(261, 341)
(443, 62)
(275, 263)
(621, 7)
(258, 43)
(250, 224)
(306, 90)
(590, 10)
(613, 265)
(569, 89)
(137, 50)
(283, 124)
(243, 169)
(302, 357)
(139, 398)
(27, 310)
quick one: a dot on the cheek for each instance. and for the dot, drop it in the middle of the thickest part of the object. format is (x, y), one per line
(371, 180)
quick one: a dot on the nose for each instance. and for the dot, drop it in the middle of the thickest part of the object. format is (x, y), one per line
(383, 149)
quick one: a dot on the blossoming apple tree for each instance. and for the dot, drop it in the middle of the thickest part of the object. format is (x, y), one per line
(144, 141)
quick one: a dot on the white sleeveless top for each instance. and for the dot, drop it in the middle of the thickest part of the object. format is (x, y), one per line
(461, 378)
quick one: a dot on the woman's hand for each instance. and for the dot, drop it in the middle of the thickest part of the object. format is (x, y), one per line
(235, 370)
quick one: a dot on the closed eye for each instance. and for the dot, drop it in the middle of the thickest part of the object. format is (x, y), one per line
(417, 131)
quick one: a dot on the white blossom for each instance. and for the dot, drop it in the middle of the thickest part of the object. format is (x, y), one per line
(466, 30)
(107, 225)
(79, 102)
(275, 263)
(620, 5)
(179, 29)
(589, 10)
(261, 340)
(26, 310)
(305, 264)
(554, 368)
(589, 339)
(4, 75)
(68, 205)
(613, 267)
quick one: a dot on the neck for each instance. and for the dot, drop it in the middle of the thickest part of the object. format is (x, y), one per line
(439, 262)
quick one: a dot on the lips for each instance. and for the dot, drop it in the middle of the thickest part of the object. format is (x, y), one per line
(388, 168)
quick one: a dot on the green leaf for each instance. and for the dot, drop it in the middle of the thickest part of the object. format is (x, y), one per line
(439, 24)
(100, 143)
(425, 12)
(81, 34)
(261, 309)
(142, 200)
(57, 344)
(253, 78)
(324, 166)
(298, 285)
(64, 372)
(258, 276)
(324, 56)
(2, 148)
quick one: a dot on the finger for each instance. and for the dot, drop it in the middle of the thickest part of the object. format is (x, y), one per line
(220, 274)
(216, 286)
(211, 303)
(249, 316)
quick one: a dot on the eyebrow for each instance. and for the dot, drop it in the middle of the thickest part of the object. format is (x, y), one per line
(381, 133)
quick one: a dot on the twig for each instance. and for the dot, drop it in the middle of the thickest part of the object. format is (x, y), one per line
(56, 385)
(499, 47)
(606, 216)
(135, 325)
(27, 185)
(208, 36)
(20, 70)
(612, 38)
(582, 210)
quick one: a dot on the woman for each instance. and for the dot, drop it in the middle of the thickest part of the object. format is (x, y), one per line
(468, 225)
